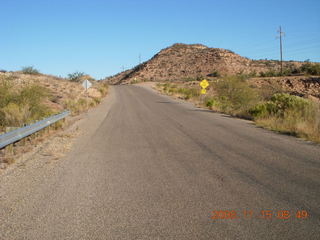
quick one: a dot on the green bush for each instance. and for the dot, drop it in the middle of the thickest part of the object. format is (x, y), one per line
(259, 111)
(282, 102)
(279, 105)
(30, 70)
(210, 102)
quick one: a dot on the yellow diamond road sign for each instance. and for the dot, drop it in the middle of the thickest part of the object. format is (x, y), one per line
(203, 91)
(204, 84)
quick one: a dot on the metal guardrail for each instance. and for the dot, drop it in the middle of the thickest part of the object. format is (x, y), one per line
(18, 134)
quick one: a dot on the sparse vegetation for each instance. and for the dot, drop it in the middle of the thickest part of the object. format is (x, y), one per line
(26, 99)
(76, 106)
(185, 93)
(306, 68)
(103, 88)
(235, 96)
(21, 106)
(267, 107)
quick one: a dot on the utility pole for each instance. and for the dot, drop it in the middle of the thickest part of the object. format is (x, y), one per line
(280, 37)
(139, 59)
(122, 68)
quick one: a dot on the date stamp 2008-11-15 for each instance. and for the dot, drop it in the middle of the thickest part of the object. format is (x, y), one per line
(262, 214)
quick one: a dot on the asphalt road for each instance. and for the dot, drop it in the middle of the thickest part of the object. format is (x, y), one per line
(150, 167)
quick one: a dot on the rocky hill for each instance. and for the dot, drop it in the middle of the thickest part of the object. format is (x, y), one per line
(183, 62)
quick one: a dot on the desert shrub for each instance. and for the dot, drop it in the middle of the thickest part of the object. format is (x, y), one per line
(270, 73)
(306, 68)
(235, 96)
(97, 100)
(267, 91)
(210, 102)
(185, 92)
(76, 76)
(279, 105)
(30, 70)
(260, 110)
(289, 114)
(77, 106)
(103, 88)
(22, 106)
(15, 115)
(165, 87)
(283, 102)
(309, 68)
(285, 72)
(172, 90)
(253, 74)
(6, 92)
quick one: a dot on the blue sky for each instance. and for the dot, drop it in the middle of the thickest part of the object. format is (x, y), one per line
(99, 37)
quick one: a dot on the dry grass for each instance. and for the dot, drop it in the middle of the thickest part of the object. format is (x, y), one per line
(300, 123)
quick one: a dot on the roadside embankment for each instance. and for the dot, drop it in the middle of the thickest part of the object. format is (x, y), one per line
(271, 106)
(28, 98)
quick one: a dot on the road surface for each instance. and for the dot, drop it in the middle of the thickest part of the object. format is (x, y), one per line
(150, 167)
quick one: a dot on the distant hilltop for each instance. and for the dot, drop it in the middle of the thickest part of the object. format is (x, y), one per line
(191, 61)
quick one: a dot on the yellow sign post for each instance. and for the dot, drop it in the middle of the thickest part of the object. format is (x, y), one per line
(204, 84)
